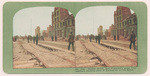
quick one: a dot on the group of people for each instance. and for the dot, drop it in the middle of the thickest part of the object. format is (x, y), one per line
(35, 39)
(70, 40)
(132, 39)
(97, 38)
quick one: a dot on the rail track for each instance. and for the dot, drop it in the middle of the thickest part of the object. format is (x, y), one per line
(110, 49)
(50, 57)
(93, 53)
(108, 56)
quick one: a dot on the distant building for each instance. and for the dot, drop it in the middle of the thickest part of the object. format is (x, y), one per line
(112, 30)
(44, 33)
(50, 31)
(37, 31)
(100, 30)
(62, 22)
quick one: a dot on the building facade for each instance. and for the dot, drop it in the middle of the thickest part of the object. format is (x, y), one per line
(62, 22)
(124, 22)
(130, 24)
(50, 31)
(119, 15)
(100, 30)
(107, 33)
(37, 31)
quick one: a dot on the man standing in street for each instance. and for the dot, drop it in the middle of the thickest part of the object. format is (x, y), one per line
(28, 39)
(117, 37)
(132, 40)
(90, 38)
(114, 37)
(96, 38)
(55, 38)
(99, 38)
(71, 41)
(52, 38)
(36, 39)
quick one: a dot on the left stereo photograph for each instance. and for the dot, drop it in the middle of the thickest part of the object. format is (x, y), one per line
(42, 37)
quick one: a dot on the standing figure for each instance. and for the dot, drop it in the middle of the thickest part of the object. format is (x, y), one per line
(96, 38)
(117, 37)
(77, 37)
(36, 39)
(90, 38)
(55, 38)
(52, 38)
(99, 38)
(132, 40)
(71, 41)
(114, 37)
(28, 39)
(42, 38)
(93, 37)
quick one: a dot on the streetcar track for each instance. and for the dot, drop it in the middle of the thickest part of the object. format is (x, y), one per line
(133, 61)
(68, 60)
(27, 52)
(94, 54)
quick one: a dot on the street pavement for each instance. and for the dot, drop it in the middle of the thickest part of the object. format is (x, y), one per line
(49, 54)
(22, 58)
(112, 57)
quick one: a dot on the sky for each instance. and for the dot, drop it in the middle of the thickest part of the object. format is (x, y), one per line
(90, 18)
(26, 20)
(87, 20)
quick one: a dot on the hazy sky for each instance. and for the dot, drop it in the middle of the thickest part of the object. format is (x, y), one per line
(86, 21)
(90, 18)
(26, 20)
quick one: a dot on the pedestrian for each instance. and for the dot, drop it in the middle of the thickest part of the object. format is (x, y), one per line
(114, 37)
(93, 37)
(55, 38)
(117, 37)
(77, 37)
(99, 38)
(90, 38)
(42, 38)
(36, 39)
(52, 38)
(132, 40)
(96, 38)
(71, 41)
(28, 39)
(15, 38)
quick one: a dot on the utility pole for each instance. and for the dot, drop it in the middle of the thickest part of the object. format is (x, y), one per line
(93, 24)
